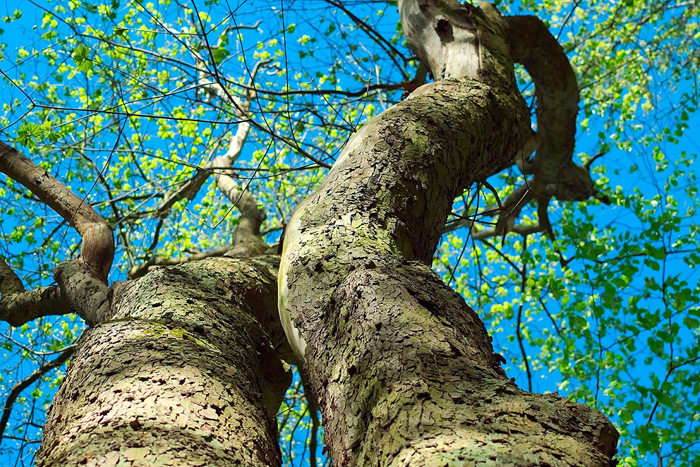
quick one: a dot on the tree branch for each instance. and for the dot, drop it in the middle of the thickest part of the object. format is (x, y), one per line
(533, 45)
(190, 188)
(18, 306)
(98, 241)
(82, 283)
(25, 383)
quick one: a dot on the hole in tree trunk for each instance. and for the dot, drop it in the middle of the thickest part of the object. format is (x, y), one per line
(443, 28)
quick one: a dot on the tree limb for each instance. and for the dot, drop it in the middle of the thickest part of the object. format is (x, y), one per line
(554, 172)
(190, 188)
(18, 306)
(25, 383)
(98, 241)
(83, 282)
(533, 45)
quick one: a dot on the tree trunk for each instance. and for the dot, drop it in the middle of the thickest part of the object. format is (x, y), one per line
(181, 366)
(403, 369)
(182, 373)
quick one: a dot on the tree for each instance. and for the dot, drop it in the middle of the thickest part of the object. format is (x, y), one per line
(185, 364)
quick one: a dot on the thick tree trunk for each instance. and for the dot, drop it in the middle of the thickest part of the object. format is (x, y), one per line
(182, 373)
(403, 369)
(180, 365)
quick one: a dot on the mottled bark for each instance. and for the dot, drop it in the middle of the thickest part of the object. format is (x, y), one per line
(182, 373)
(403, 369)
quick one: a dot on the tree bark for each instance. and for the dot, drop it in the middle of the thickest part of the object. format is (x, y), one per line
(182, 366)
(182, 373)
(403, 369)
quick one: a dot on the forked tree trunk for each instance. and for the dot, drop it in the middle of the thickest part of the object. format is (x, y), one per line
(403, 369)
(182, 374)
(181, 371)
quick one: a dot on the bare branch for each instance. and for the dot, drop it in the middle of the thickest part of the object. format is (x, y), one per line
(82, 283)
(593, 159)
(523, 230)
(508, 211)
(495, 193)
(190, 188)
(406, 85)
(25, 383)
(248, 232)
(543, 217)
(518, 324)
(247, 235)
(417, 81)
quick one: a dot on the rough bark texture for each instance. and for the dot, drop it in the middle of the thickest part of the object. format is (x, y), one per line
(182, 374)
(404, 370)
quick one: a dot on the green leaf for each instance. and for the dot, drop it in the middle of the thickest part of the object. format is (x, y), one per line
(81, 56)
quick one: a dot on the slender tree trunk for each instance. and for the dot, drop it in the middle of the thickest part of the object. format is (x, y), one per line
(403, 369)
(181, 374)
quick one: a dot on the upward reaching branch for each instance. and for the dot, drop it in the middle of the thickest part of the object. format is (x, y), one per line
(98, 243)
(82, 283)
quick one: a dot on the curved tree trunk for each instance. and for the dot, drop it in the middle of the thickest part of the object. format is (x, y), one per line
(403, 369)
(182, 366)
(182, 373)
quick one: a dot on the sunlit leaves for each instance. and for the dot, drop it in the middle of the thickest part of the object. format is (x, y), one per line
(81, 56)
